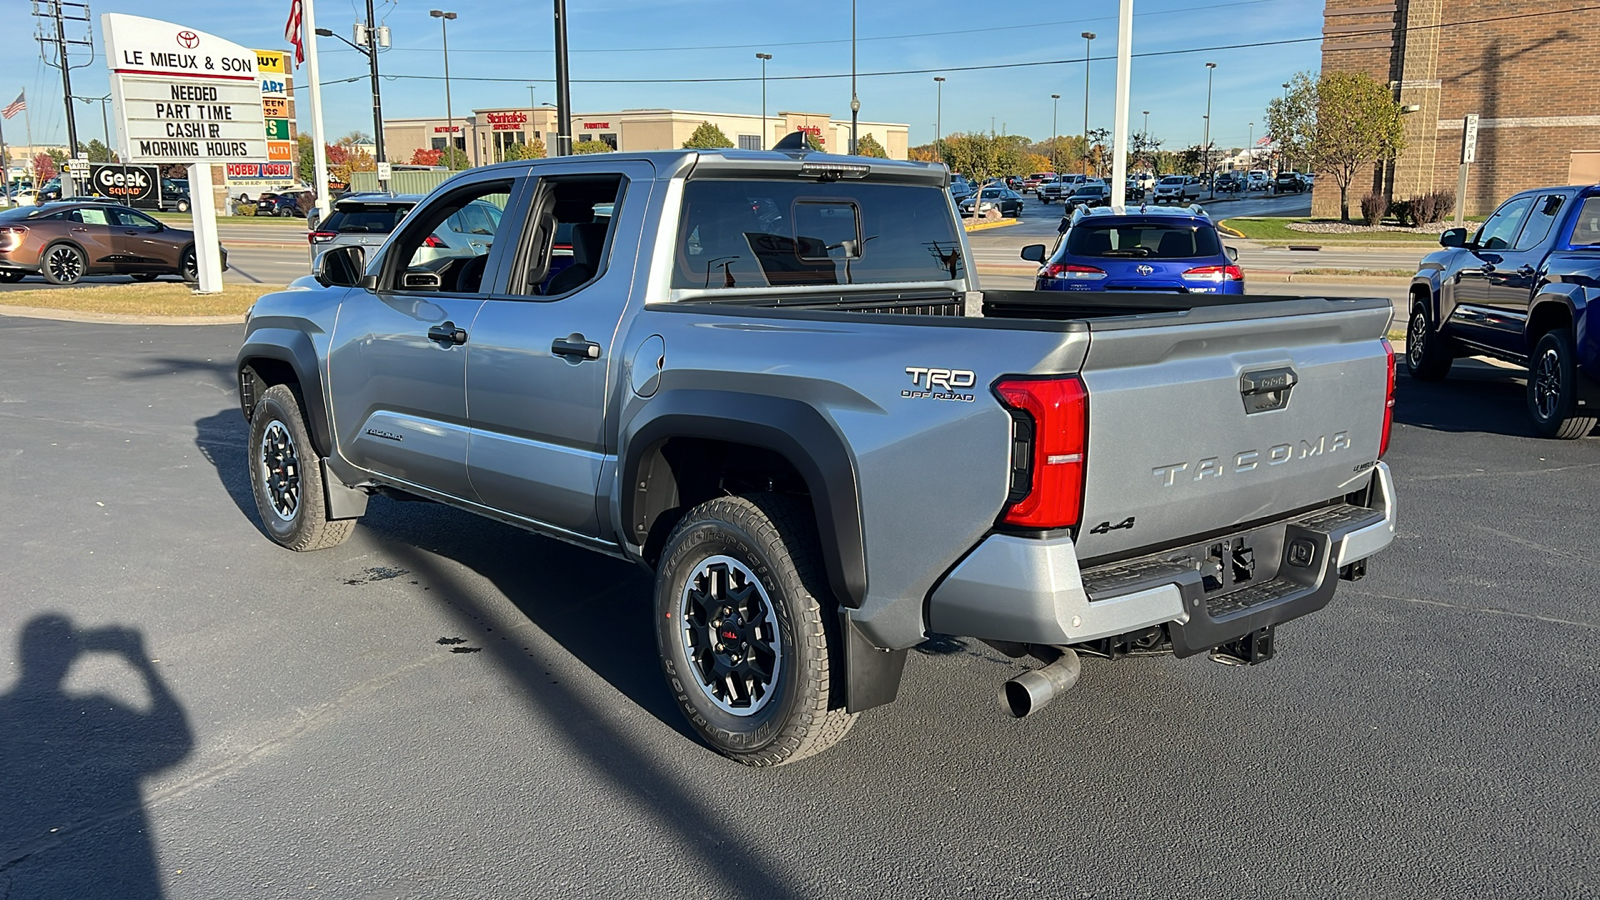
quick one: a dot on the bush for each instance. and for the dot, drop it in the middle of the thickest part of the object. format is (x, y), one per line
(1422, 208)
(246, 209)
(1404, 213)
(1373, 208)
(1444, 203)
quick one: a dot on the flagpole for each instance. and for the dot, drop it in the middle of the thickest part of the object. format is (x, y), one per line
(27, 120)
(5, 168)
(319, 137)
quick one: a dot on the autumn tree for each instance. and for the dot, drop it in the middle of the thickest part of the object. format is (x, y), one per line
(44, 168)
(586, 147)
(1358, 124)
(707, 137)
(533, 149)
(924, 153)
(867, 145)
(425, 157)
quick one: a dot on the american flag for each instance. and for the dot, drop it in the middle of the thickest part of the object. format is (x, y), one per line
(16, 106)
(291, 32)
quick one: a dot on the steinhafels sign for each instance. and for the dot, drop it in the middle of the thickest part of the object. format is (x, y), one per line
(182, 95)
(508, 121)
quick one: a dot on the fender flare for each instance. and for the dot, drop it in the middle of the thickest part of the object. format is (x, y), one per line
(293, 348)
(791, 428)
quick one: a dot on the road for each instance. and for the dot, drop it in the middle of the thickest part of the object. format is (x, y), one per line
(308, 725)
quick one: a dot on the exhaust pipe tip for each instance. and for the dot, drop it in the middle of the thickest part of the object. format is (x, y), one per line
(1030, 691)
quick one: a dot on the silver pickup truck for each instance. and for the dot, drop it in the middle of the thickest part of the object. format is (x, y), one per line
(769, 378)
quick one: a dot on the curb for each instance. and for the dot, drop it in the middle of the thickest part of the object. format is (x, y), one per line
(1223, 227)
(72, 315)
(1295, 278)
(985, 226)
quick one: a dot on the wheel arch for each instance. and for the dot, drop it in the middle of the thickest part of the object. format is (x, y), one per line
(44, 255)
(275, 356)
(685, 446)
(1550, 310)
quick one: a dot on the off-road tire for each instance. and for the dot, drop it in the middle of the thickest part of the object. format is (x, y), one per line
(1429, 354)
(1553, 389)
(774, 537)
(63, 264)
(276, 425)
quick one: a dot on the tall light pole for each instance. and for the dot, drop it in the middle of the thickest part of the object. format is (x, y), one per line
(1250, 147)
(1284, 164)
(371, 40)
(563, 84)
(1055, 141)
(449, 113)
(766, 132)
(1088, 41)
(1205, 140)
(938, 118)
(855, 102)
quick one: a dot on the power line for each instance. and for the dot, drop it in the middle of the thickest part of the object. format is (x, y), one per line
(994, 66)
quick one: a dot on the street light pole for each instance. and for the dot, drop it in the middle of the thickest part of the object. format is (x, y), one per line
(855, 102)
(766, 132)
(1088, 41)
(938, 118)
(1250, 147)
(1055, 134)
(449, 112)
(563, 84)
(377, 96)
(1285, 164)
(1205, 141)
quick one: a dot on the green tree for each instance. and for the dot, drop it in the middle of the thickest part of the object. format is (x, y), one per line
(306, 157)
(57, 156)
(1358, 124)
(1292, 119)
(586, 147)
(707, 137)
(533, 149)
(867, 145)
(456, 159)
(98, 152)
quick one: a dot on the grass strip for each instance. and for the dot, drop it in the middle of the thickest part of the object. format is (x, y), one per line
(155, 299)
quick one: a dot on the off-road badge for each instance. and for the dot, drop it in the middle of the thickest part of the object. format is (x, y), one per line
(939, 384)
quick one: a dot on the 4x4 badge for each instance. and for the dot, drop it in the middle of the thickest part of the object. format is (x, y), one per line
(1144, 270)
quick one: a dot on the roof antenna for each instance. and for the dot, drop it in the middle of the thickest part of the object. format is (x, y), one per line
(799, 141)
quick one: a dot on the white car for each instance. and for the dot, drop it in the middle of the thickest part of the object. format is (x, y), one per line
(1258, 180)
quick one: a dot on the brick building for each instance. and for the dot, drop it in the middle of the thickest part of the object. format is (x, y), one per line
(1521, 65)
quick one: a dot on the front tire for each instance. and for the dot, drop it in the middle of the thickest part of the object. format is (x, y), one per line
(749, 649)
(189, 266)
(1428, 353)
(63, 264)
(1553, 389)
(183, 206)
(286, 476)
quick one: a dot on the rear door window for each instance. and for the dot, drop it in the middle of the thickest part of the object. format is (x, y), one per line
(750, 233)
(1545, 213)
(1586, 230)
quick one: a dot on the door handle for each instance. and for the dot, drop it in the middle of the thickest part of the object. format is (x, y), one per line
(1525, 271)
(1488, 268)
(448, 333)
(80, 230)
(575, 347)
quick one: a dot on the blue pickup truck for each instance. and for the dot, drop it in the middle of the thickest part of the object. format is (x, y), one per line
(1519, 290)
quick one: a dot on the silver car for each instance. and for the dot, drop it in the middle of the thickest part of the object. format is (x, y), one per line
(366, 220)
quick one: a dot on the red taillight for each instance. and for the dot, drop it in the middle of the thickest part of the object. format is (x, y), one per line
(433, 241)
(1067, 272)
(1218, 274)
(321, 237)
(1388, 402)
(12, 236)
(1049, 441)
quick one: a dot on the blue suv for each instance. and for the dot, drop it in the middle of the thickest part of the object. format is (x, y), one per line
(1151, 249)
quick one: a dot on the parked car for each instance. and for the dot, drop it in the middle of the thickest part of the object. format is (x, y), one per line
(1258, 180)
(1064, 185)
(1178, 189)
(1133, 190)
(284, 205)
(1147, 182)
(1288, 183)
(1014, 182)
(1086, 195)
(67, 240)
(1230, 183)
(1007, 201)
(1033, 181)
(361, 220)
(1518, 289)
(25, 197)
(677, 398)
(960, 187)
(1176, 251)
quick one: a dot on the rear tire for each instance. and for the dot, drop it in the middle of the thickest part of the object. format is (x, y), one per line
(286, 476)
(749, 648)
(1553, 389)
(63, 264)
(1429, 354)
(189, 266)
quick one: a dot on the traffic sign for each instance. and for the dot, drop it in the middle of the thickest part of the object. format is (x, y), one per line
(1469, 142)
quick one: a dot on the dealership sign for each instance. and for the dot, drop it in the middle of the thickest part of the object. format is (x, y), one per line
(180, 95)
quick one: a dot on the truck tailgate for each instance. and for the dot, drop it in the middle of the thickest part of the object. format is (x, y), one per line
(1207, 419)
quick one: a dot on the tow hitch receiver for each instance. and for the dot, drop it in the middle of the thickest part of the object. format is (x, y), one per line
(1249, 650)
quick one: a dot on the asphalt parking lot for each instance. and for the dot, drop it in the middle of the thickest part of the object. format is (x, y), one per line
(448, 707)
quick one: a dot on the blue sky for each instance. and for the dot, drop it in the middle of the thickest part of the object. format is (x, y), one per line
(652, 40)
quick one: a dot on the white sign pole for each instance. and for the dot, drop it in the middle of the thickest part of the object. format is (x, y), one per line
(1119, 127)
(203, 204)
(319, 137)
(1469, 155)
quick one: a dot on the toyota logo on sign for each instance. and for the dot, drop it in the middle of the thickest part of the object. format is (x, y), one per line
(1144, 270)
(188, 40)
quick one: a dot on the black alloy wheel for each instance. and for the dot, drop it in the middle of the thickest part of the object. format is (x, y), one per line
(286, 476)
(189, 266)
(1553, 389)
(63, 264)
(1428, 354)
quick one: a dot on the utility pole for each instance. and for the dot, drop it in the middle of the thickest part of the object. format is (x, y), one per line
(59, 12)
(938, 118)
(766, 132)
(449, 114)
(377, 96)
(855, 102)
(563, 84)
(1205, 140)
(1055, 144)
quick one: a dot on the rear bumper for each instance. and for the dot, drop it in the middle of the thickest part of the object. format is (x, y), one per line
(1031, 590)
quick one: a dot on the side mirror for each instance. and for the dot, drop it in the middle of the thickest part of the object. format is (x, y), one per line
(1453, 237)
(1233, 254)
(341, 267)
(1033, 253)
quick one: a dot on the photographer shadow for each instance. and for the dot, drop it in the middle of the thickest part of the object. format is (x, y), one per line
(74, 823)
